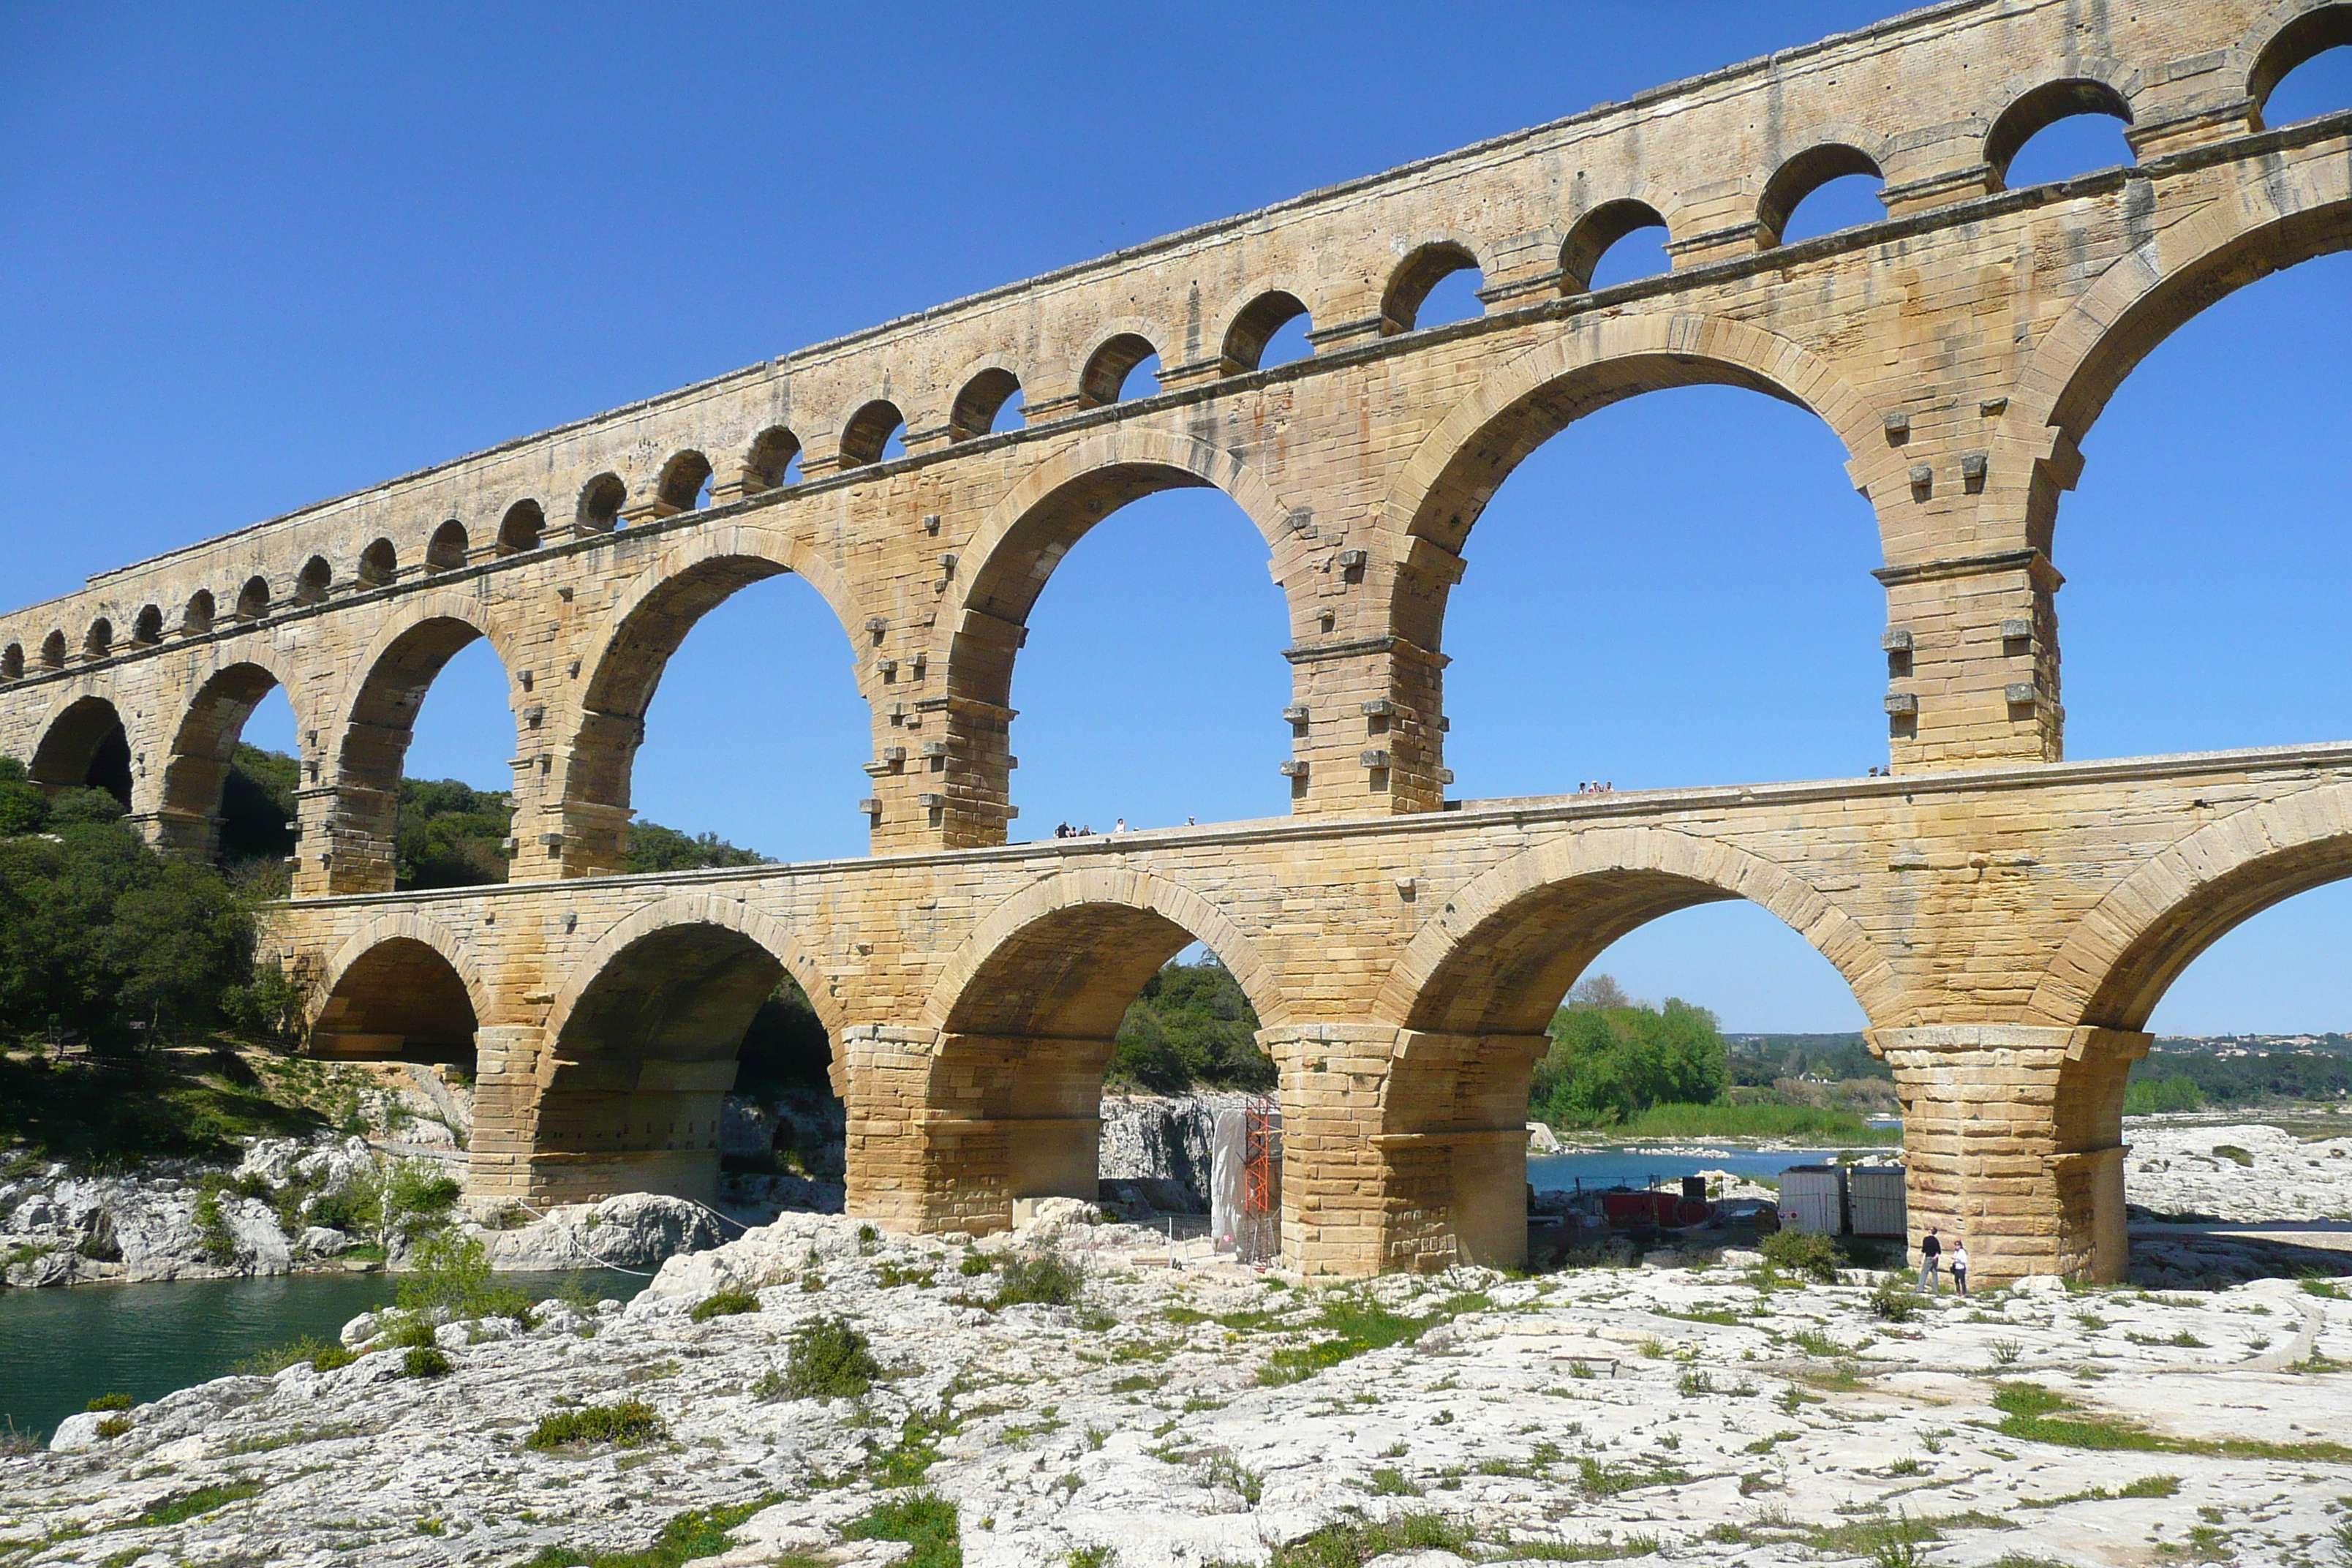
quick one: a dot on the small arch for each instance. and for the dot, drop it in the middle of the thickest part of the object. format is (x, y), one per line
(1800, 178)
(84, 745)
(12, 662)
(1422, 270)
(446, 550)
(868, 432)
(1596, 233)
(316, 579)
(976, 406)
(53, 651)
(197, 618)
(253, 599)
(1104, 381)
(99, 642)
(2043, 107)
(523, 528)
(773, 461)
(2314, 33)
(203, 746)
(379, 564)
(683, 485)
(148, 629)
(1267, 314)
(601, 499)
(401, 998)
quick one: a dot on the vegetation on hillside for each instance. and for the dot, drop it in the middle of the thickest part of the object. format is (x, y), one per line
(1191, 1028)
(2175, 1079)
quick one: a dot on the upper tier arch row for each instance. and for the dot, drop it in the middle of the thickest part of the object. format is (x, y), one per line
(1934, 102)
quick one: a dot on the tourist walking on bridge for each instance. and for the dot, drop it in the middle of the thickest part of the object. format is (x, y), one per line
(1931, 1257)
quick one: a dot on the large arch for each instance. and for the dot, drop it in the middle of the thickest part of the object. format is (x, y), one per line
(1434, 500)
(83, 743)
(1071, 489)
(401, 985)
(644, 629)
(203, 744)
(1027, 1012)
(2297, 213)
(376, 717)
(1472, 994)
(2127, 949)
(643, 1043)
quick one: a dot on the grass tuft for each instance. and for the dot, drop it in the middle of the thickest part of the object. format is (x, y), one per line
(724, 1304)
(629, 1425)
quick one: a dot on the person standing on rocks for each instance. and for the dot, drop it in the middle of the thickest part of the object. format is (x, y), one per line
(1960, 1265)
(1931, 1257)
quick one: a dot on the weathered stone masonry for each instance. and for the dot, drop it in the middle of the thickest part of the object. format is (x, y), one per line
(2008, 921)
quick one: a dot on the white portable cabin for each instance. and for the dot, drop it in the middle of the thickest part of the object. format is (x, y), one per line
(1812, 1198)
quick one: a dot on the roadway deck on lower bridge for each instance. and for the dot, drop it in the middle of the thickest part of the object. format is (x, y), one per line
(2007, 932)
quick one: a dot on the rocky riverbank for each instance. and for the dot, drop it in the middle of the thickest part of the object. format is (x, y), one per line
(1205, 1413)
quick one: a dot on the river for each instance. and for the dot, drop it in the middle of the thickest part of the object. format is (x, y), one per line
(59, 1348)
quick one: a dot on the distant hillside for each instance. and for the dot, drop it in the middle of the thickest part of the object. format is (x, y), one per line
(450, 835)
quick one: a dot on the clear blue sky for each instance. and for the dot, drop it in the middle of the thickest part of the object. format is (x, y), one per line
(258, 257)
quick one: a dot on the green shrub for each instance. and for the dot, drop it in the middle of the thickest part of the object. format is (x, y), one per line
(214, 1239)
(926, 1522)
(278, 1358)
(973, 1266)
(1807, 1253)
(446, 1271)
(1049, 1278)
(724, 1304)
(425, 1361)
(1895, 1303)
(1353, 1326)
(1351, 1542)
(110, 1402)
(412, 1333)
(330, 1357)
(687, 1538)
(114, 1426)
(188, 1505)
(827, 1359)
(628, 1424)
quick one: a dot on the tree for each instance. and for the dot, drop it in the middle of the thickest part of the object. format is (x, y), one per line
(1610, 1060)
(653, 847)
(1192, 1027)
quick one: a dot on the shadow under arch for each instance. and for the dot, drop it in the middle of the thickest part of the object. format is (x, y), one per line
(402, 986)
(376, 719)
(83, 745)
(1008, 1101)
(1476, 987)
(1435, 499)
(642, 1048)
(204, 743)
(642, 632)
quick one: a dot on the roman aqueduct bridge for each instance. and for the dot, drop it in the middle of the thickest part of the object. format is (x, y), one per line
(2007, 920)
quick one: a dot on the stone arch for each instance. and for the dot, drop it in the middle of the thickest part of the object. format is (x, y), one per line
(380, 983)
(1271, 305)
(1103, 379)
(253, 599)
(524, 527)
(2083, 90)
(446, 550)
(12, 662)
(986, 388)
(2284, 38)
(374, 716)
(1007, 1101)
(2298, 212)
(598, 511)
(53, 650)
(1426, 264)
(84, 743)
(865, 433)
(312, 584)
(642, 1048)
(1010, 559)
(1487, 962)
(1835, 156)
(1594, 234)
(203, 744)
(679, 488)
(2124, 953)
(1436, 498)
(197, 618)
(99, 641)
(766, 460)
(147, 630)
(647, 623)
(379, 564)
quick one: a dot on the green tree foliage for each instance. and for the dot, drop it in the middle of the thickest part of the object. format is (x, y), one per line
(100, 938)
(1612, 1058)
(653, 847)
(258, 807)
(1758, 1061)
(2159, 1096)
(1192, 1028)
(450, 835)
